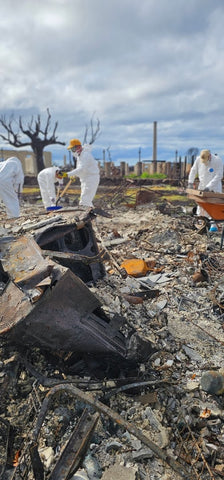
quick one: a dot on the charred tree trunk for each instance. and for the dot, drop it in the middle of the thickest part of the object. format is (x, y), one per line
(39, 155)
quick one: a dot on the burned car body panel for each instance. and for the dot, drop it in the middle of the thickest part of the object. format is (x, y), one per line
(76, 238)
(67, 316)
(63, 319)
(45, 304)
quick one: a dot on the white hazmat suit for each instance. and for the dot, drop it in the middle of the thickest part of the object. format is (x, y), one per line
(46, 179)
(11, 185)
(87, 170)
(210, 176)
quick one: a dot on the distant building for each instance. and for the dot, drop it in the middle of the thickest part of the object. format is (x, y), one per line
(27, 159)
(174, 170)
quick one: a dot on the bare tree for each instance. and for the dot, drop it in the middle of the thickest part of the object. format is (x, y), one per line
(39, 137)
(94, 132)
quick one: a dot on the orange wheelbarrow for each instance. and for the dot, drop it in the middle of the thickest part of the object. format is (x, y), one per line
(212, 203)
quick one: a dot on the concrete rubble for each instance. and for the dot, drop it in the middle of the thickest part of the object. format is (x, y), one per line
(157, 417)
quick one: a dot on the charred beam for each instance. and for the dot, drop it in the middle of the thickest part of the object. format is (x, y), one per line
(103, 409)
(76, 448)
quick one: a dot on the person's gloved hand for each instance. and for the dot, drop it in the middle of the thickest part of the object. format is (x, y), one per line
(64, 174)
(190, 185)
(72, 179)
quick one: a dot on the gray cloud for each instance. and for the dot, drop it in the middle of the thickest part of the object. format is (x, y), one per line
(130, 62)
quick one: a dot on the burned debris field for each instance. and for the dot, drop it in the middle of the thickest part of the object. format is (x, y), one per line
(111, 339)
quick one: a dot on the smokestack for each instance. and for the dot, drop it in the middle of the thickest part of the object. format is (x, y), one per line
(154, 147)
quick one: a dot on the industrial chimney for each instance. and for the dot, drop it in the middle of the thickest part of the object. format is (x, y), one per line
(154, 147)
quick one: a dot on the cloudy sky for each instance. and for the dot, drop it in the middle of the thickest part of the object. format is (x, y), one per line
(126, 62)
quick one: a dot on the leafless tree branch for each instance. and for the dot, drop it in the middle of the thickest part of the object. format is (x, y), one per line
(39, 137)
(94, 132)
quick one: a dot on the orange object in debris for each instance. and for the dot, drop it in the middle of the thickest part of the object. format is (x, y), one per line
(206, 413)
(135, 267)
(15, 462)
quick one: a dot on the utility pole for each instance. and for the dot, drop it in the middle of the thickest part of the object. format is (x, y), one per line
(154, 147)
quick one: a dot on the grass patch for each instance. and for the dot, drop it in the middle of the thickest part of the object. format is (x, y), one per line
(156, 176)
(31, 190)
(153, 175)
(174, 198)
(164, 188)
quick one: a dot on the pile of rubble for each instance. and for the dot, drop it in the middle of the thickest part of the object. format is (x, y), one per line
(111, 346)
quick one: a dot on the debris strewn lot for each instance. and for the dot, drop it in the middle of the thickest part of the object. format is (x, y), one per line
(155, 411)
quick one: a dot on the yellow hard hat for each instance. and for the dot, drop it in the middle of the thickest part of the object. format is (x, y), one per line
(74, 143)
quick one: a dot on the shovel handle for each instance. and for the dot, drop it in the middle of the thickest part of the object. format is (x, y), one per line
(63, 191)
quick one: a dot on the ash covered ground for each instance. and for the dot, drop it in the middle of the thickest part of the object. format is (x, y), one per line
(162, 394)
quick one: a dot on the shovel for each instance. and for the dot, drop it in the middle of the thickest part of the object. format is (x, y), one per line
(63, 191)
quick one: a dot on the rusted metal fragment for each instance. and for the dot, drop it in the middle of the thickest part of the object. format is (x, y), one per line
(23, 261)
(201, 276)
(133, 299)
(74, 452)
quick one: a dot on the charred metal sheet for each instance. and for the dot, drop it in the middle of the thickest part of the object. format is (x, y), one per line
(67, 317)
(76, 448)
(15, 305)
(75, 239)
(23, 261)
(59, 313)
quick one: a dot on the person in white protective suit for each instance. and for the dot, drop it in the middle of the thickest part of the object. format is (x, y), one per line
(209, 169)
(87, 170)
(47, 178)
(11, 185)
